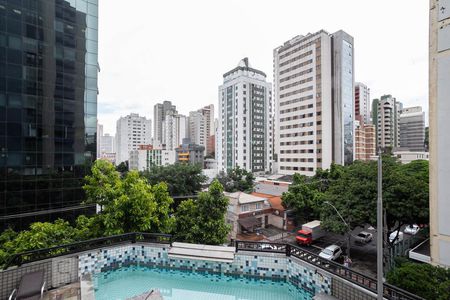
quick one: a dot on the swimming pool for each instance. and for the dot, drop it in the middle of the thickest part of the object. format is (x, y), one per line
(127, 282)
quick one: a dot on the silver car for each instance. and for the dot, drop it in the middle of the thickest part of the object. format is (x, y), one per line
(364, 237)
(331, 252)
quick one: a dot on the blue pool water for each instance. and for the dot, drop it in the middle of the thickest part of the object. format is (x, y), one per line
(127, 282)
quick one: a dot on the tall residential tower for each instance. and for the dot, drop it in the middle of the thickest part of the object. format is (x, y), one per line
(244, 135)
(131, 132)
(314, 82)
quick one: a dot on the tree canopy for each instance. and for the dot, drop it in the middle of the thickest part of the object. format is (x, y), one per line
(237, 179)
(181, 179)
(424, 280)
(353, 191)
(203, 220)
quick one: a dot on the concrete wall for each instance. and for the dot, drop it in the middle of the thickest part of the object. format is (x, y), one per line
(59, 271)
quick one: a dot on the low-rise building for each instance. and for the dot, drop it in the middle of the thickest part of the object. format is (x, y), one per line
(190, 153)
(247, 213)
(278, 217)
(147, 157)
(406, 157)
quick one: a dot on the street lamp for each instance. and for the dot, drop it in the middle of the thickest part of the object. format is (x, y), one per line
(380, 230)
(349, 230)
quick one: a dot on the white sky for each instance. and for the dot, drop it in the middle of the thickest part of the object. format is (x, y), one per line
(178, 50)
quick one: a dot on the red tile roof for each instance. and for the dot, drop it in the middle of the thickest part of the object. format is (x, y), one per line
(275, 201)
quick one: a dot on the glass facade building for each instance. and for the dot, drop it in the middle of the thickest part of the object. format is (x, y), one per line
(48, 107)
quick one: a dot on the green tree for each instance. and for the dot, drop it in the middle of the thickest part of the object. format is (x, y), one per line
(303, 198)
(181, 179)
(203, 220)
(101, 186)
(128, 204)
(40, 235)
(122, 168)
(237, 179)
(424, 280)
(133, 210)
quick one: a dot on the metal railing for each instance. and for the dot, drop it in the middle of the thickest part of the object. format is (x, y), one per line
(40, 254)
(364, 281)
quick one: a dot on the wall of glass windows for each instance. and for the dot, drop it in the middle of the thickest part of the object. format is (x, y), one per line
(48, 106)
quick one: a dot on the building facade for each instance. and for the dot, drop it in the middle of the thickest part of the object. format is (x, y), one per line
(385, 117)
(365, 141)
(146, 158)
(107, 144)
(131, 132)
(99, 138)
(197, 128)
(412, 129)
(208, 114)
(175, 129)
(245, 126)
(191, 153)
(48, 108)
(343, 92)
(362, 103)
(439, 89)
(160, 110)
(314, 88)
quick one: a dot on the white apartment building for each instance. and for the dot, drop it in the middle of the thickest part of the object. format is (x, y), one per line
(439, 89)
(131, 131)
(175, 129)
(314, 92)
(244, 134)
(107, 143)
(99, 138)
(385, 117)
(160, 110)
(197, 128)
(412, 129)
(146, 159)
(362, 102)
(208, 114)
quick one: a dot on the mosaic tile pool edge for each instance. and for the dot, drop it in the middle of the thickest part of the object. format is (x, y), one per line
(272, 266)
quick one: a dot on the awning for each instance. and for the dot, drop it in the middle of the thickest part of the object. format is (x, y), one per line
(249, 222)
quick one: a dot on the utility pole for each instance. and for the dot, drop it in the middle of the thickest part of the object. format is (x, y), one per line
(380, 230)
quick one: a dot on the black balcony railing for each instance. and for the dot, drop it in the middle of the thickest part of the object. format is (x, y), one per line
(39, 254)
(364, 281)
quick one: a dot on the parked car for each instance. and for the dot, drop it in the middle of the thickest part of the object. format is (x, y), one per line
(411, 229)
(331, 252)
(398, 238)
(364, 237)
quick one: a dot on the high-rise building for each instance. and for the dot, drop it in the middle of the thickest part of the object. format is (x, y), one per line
(131, 132)
(439, 90)
(48, 107)
(365, 143)
(107, 143)
(385, 117)
(244, 135)
(175, 129)
(412, 129)
(99, 138)
(362, 103)
(314, 88)
(208, 114)
(197, 128)
(160, 110)
(343, 92)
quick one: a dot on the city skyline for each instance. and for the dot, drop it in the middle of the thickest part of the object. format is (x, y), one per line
(160, 72)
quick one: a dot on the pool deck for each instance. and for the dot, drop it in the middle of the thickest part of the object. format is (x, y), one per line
(68, 292)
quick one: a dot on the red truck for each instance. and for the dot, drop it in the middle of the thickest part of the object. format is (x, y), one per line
(310, 232)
